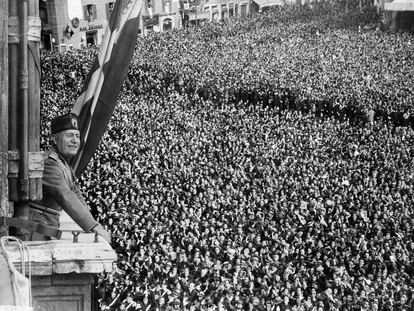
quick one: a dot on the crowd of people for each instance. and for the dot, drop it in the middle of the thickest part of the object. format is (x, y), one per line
(304, 53)
(260, 164)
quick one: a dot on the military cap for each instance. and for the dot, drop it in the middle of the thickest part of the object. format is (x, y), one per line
(68, 121)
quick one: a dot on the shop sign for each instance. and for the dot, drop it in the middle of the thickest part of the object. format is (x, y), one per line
(91, 27)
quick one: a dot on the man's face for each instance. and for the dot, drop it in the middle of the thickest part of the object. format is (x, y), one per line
(67, 143)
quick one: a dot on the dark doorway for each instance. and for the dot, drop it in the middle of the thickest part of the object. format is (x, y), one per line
(91, 37)
(46, 42)
(167, 24)
(405, 21)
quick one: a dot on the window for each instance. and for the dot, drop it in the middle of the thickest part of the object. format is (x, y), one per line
(109, 8)
(167, 6)
(167, 24)
(43, 12)
(89, 11)
(89, 7)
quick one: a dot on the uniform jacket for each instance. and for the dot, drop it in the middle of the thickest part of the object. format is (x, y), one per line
(61, 192)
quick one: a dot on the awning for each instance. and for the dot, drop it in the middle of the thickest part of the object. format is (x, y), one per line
(265, 3)
(399, 5)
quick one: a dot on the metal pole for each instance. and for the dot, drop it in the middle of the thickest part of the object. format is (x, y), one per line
(21, 207)
(24, 104)
(35, 184)
(4, 103)
(13, 60)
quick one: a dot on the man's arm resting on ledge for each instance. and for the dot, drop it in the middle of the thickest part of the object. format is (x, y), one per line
(98, 229)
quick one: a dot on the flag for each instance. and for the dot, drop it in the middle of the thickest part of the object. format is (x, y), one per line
(100, 92)
(68, 32)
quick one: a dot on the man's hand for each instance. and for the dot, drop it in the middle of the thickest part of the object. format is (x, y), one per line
(102, 232)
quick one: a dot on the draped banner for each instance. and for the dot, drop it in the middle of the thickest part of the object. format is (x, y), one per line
(99, 95)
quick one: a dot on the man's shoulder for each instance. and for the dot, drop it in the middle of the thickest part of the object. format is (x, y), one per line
(53, 161)
(52, 157)
(51, 154)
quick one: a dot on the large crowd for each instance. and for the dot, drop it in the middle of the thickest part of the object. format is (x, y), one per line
(259, 164)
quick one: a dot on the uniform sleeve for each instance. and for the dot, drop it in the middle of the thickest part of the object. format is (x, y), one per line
(79, 195)
(56, 186)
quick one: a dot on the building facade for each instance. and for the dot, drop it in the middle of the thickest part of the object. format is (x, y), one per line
(59, 32)
(87, 27)
(218, 10)
(222, 9)
(160, 15)
(397, 14)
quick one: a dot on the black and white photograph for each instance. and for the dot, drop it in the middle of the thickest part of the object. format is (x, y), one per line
(207, 155)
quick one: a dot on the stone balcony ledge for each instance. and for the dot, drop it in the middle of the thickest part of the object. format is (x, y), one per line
(65, 256)
(63, 272)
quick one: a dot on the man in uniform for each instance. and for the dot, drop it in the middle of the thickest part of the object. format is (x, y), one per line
(60, 190)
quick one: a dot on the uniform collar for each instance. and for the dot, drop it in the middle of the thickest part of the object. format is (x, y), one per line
(57, 154)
